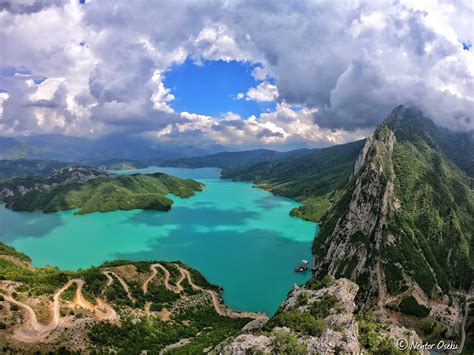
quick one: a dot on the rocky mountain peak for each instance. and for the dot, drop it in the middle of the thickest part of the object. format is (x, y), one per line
(392, 229)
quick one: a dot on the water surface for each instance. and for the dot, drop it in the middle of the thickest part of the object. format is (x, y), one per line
(239, 237)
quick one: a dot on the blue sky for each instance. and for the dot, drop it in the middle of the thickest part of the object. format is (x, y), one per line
(109, 67)
(211, 88)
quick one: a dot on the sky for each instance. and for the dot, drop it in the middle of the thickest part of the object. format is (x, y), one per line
(237, 73)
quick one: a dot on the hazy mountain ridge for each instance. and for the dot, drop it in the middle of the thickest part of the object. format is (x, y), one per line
(25, 167)
(230, 160)
(87, 151)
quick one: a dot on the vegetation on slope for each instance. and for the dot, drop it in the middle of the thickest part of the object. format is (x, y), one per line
(404, 226)
(102, 194)
(313, 178)
(436, 218)
(191, 314)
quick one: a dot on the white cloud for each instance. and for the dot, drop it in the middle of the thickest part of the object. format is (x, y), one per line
(3, 97)
(346, 65)
(263, 92)
(46, 90)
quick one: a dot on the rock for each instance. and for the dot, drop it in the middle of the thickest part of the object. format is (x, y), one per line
(255, 324)
(345, 338)
(247, 342)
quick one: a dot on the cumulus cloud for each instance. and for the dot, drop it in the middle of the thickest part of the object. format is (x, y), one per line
(263, 92)
(344, 66)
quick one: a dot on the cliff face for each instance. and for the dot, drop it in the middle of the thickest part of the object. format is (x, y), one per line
(403, 226)
(351, 248)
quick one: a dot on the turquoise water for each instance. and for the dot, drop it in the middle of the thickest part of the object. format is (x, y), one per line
(239, 237)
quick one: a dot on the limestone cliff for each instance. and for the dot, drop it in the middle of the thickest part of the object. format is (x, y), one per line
(402, 228)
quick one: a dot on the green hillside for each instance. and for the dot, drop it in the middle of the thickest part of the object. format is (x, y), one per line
(414, 210)
(312, 178)
(100, 194)
(113, 310)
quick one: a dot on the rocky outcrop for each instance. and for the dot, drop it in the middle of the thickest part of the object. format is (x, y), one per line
(341, 331)
(350, 248)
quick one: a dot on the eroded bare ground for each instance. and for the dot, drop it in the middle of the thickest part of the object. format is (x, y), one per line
(30, 330)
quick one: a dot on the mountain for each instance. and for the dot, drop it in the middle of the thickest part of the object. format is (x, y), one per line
(13, 149)
(90, 151)
(56, 146)
(24, 167)
(414, 211)
(312, 177)
(403, 227)
(91, 190)
(228, 160)
(399, 223)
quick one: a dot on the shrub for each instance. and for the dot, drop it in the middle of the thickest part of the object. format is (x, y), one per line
(299, 322)
(410, 306)
(316, 284)
(286, 343)
(322, 307)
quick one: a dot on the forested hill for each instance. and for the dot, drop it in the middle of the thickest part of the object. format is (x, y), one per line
(92, 190)
(312, 178)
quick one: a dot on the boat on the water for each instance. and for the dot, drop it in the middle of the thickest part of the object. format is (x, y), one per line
(302, 266)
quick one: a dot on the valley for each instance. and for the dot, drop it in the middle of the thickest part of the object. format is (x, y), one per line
(391, 256)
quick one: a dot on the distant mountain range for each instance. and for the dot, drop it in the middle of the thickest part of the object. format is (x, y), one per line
(229, 160)
(83, 150)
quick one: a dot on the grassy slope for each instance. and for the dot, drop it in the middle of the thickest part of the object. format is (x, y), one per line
(108, 194)
(312, 179)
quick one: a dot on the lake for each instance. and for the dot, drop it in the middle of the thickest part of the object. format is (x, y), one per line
(241, 238)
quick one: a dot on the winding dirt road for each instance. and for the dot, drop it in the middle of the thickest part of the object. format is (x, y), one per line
(34, 331)
(185, 274)
(218, 306)
(102, 311)
(121, 281)
(176, 289)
